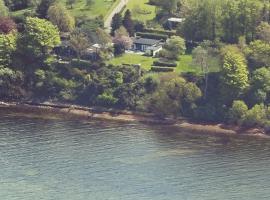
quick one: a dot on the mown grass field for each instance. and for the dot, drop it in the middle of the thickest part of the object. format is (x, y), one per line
(129, 58)
(141, 10)
(185, 64)
(99, 7)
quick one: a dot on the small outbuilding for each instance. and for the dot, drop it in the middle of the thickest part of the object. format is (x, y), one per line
(173, 22)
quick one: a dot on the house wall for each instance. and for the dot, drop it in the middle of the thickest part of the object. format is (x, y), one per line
(140, 47)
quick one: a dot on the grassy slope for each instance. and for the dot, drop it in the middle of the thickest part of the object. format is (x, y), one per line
(143, 5)
(99, 7)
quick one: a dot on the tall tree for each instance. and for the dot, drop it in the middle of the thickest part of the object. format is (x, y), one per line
(40, 36)
(263, 32)
(260, 86)
(3, 9)
(121, 41)
(43, 6)
(200, 57)
(59, 16)
(7, 47)
(79, 43)
(116, 23)
(128, 23)
(174, 96)
(174, 48)
(234, 77)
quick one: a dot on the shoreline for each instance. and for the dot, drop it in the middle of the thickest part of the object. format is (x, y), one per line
(87, 113)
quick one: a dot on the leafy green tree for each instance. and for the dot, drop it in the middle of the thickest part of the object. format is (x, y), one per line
(240, 17)
(3, 9)
(258, 53)
(174, 96)
(11, 84)
(263, 32)
(79, 43)
(256, 116)
(106, 99)
(234, 72)
(40, 36)
(174, 48)
(169, 6)
(7, 48)
(204, 22)
(59, 16)
(238, 112)
(260, 86)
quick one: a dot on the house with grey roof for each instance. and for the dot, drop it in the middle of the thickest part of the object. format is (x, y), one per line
(149, 46)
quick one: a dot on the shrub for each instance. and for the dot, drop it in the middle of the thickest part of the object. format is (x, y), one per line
(161, 69)
(106, 99)
(238, 112)
(80, 63)
(256, 116)
(152, 36)
(163, 32)
(164, 63)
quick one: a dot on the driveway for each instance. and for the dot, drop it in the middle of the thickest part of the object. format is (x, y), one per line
(117, 9)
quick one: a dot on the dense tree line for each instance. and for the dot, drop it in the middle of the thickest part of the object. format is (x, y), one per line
(234, 34)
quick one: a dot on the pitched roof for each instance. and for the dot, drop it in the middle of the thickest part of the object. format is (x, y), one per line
(174, 19)
(146, 41)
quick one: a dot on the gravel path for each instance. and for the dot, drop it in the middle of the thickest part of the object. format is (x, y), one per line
(117, 9)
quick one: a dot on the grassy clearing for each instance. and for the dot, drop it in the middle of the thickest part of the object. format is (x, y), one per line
(184, 65)
(21, 13)
(99, 7)
(141, 10)
(129, 58)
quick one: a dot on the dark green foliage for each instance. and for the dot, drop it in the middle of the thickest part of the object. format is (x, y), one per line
(43, 6)
(128, 23)
(162, 63)
(162, 69)
(116, 22)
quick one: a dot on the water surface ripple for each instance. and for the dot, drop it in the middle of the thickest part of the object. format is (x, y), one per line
(72, 160)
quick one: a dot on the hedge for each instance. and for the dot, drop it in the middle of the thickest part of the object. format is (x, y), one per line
(152, 36)
(162, 32)
(164, 63)
(80, 63)
(162, 69)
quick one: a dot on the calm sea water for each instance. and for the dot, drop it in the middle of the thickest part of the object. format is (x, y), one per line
(44, 159)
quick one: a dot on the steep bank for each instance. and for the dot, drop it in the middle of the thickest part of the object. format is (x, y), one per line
(74, 111)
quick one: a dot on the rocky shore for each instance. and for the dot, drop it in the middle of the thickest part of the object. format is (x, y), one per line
(87, 113)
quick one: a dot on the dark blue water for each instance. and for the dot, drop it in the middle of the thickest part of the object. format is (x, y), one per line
(71, 160)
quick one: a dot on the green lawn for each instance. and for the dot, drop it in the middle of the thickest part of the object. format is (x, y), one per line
(99, 7)
(184, 65)
(141, 10)
(145, 61)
